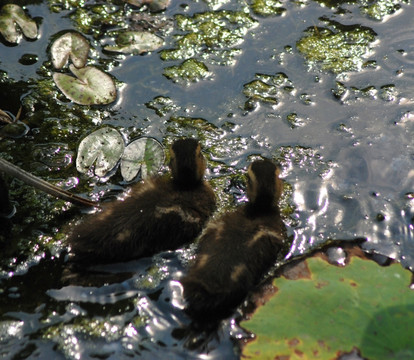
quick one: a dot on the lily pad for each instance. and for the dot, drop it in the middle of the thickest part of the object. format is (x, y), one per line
(145, 155)
(136, 42)
(91, 86)
(154, 5)
(70, 45)
(11, 15)
(334, 310)
(103, 147)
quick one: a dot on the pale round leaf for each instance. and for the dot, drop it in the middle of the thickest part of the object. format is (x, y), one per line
(90, 87)
(135, 42)
(70, 45)
(145, 155)
(11, 15)
(103, 147)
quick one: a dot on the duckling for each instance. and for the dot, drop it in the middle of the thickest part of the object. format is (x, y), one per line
(235, 251)
(162, 213)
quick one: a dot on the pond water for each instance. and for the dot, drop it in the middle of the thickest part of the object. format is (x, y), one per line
(339, 118)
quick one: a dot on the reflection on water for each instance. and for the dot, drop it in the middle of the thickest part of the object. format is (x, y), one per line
(344, 142)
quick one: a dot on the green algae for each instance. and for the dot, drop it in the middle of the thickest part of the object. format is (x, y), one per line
(162, 105)
(189, 71)
(213, 36)
(339, 48)
(92, 19)
(378, 10)
(348, 94)
(267, 89)
(268, 7)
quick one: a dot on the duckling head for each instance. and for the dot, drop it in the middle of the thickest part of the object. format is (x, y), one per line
(187, 163)
(264, 187)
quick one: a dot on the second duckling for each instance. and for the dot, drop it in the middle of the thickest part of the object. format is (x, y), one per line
(236, 250)
(162, 213)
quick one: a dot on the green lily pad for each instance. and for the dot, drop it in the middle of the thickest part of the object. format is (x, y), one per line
(103, 147)
(91, 86)
(11, 15)
(135, 42)
(70, 45)
(145, 155)
(334, 310)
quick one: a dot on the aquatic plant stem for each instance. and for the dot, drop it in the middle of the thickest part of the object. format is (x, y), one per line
(43, 185)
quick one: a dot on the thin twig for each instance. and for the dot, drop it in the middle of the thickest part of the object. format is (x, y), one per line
(43, 185)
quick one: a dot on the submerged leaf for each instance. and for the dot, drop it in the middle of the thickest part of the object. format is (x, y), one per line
(335, 309)
(104, 147)
(12, 14)
(91, 86)
(145, 155)
(136, 42)
(71, 45)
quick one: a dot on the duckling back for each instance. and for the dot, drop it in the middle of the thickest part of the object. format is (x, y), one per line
(160, 214)
(236, 251)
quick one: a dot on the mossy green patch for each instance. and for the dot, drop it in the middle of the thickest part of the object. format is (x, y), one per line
(339, 48)
(212, 35)
(266, 89)
(361, 305)
(189, 71)
(268, 7)
(379, 9)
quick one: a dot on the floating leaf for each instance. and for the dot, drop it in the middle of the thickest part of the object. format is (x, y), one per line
(136, 42)
(145, 155)
(92, 86)
(335, 309)
(104, 147)
(11, 15)
(154, 5)
(71, 45)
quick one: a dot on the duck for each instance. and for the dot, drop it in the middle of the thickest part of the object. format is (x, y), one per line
(236, 250)
(6, 212)
(162, 213)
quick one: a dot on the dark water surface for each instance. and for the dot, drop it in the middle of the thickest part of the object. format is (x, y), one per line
(347, 156)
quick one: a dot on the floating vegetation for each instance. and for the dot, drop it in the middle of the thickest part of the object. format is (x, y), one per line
(342, 48)
(266, 89)
(103, 149)
(135, 42)
(162, 105)
(296, 321)
(154, 5)
(12, 15)
(348, 94)
(379, 9)
(91, 18)
(268, 7)
(70, 45)
(189, 71)
(212, 35)
(91, 86)
(142, 156)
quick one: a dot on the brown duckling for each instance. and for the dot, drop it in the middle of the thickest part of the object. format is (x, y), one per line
(236, 250)
(162, 213)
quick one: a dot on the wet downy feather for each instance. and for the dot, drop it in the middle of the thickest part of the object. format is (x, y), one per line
(237, 249)
(162, 213)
